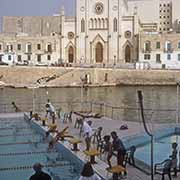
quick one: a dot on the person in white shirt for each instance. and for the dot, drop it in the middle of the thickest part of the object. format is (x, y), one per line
(51, 110)
(88, 173)
(87, 132)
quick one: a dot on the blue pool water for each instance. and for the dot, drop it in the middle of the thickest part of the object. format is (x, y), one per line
(21, 146)
(162, 150)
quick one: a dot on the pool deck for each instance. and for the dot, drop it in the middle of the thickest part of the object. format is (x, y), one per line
(108, 125)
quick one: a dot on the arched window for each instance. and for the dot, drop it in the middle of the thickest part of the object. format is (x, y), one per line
(107, 23)
(168, 46)
(99, 23)
(95, 22)
(71, 54)
(28, 47)
(49, 48)
(128, 54)
(147, 46)
(82, 25)
(91, 24)
(115, 24)
(99, 52)
(103, 23)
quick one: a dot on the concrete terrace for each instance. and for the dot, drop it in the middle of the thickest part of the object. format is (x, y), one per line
(108, 126)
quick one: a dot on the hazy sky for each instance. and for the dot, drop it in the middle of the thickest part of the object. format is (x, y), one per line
(34, 7)
(50, 7)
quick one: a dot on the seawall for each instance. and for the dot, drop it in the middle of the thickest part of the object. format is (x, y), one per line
(72, 77)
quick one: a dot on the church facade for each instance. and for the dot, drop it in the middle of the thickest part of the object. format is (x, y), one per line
(104, 32)
(101, 33)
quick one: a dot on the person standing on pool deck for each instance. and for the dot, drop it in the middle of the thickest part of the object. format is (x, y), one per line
(39, 174)
(50, 109)
(87, 131)
(118, 146)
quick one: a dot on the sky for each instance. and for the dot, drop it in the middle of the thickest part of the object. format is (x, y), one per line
(50, 7)
(35, 7)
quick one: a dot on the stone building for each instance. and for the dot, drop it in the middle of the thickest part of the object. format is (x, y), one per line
(101, 33)
(160, 50)
(31, 50)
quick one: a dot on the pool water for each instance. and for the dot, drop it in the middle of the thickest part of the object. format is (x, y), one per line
(21, 147)
(162, 150)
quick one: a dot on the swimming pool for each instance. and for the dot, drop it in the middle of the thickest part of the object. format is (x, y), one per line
(21, 146)
(162, 147)
(162, 150)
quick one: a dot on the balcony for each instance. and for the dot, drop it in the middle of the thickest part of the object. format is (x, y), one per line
(146, 50)
(168, 50)
(28, 52)
(48, 51)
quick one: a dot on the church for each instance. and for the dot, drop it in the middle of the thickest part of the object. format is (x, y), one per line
(104, 32)
(101, 33)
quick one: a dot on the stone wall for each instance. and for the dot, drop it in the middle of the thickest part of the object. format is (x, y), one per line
(26, 76)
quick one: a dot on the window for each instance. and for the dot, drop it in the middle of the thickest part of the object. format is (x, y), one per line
(38, 46)
(38, 57)
(82, 25)
(160, 17)
(19, 58)
(158, 58)
(28, 57)
(168, 56)
(147, 56)
(9, 48)
(158, 45)
(19, 47)
(178, 57)
(164, 16)
(49, 48)
(115, 24)
(147, 46)
(28, 48)
(179, 45)
(49, 57)
(9, 57)
(1, 57)
(168, 46)
(0, 46)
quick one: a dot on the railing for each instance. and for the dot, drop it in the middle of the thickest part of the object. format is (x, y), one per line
(125, 113)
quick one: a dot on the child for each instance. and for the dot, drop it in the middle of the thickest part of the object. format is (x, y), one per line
(108, 149)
